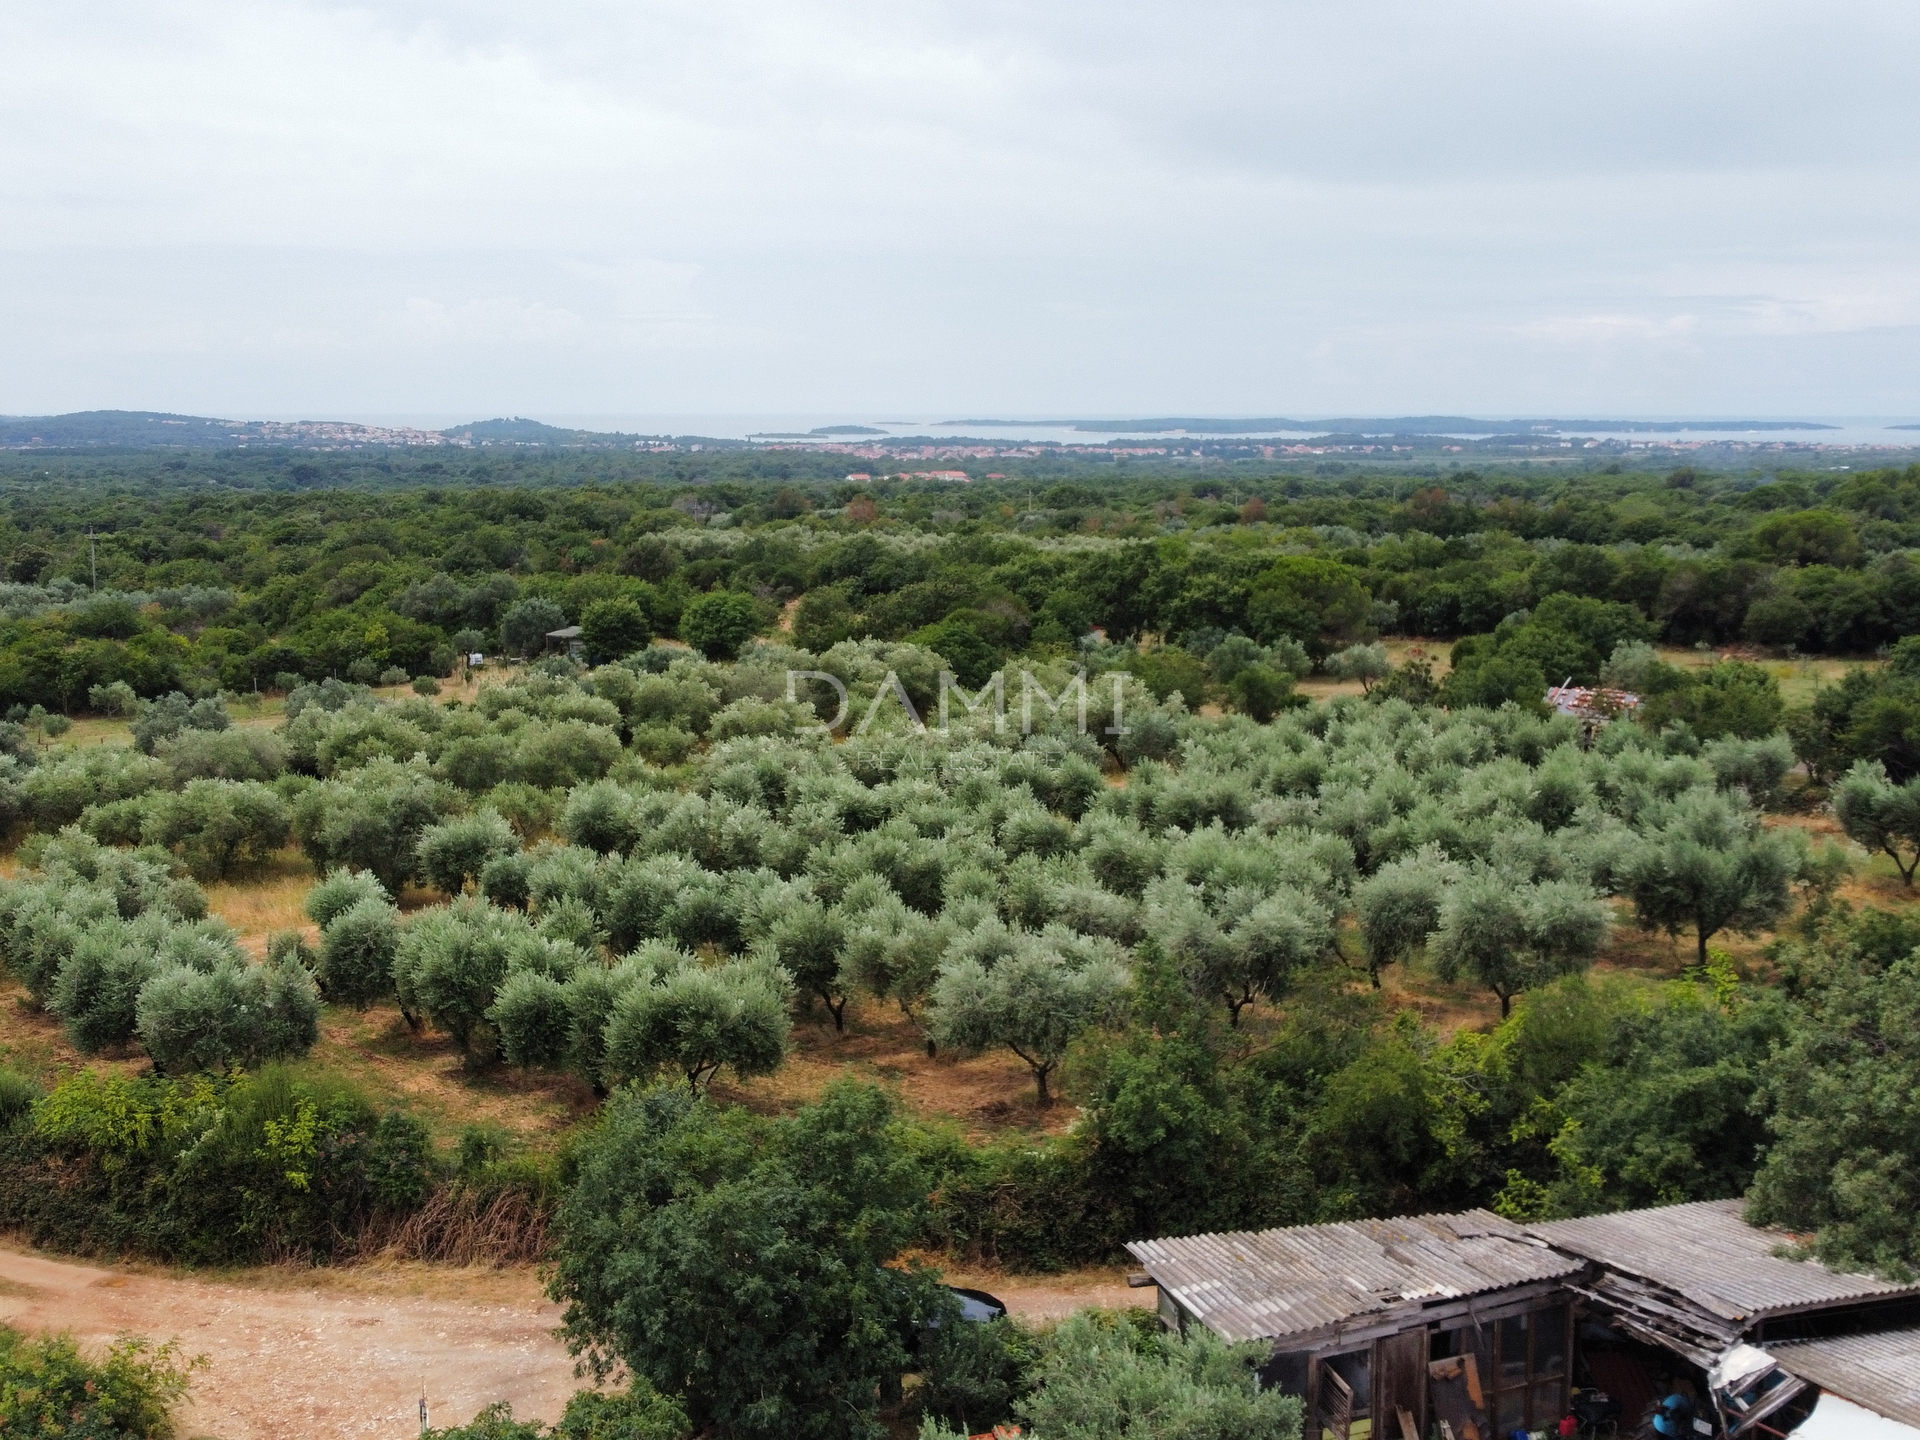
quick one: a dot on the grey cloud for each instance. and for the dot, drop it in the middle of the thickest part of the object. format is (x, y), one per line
(828, 203)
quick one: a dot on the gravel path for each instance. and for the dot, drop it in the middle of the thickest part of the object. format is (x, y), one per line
(339, 1353)
(317, 1353)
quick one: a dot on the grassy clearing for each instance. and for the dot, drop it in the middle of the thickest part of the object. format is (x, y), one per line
(1434, 652)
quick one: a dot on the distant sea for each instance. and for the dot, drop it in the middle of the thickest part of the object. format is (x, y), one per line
(1848, 430)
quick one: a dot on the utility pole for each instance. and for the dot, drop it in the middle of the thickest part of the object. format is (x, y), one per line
(93, 557)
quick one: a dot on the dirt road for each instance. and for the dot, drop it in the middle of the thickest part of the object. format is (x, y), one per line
(338, 1353)
(317, 1353)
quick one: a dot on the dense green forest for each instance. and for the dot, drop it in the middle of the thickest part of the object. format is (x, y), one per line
(244, 571)
(1178, 887)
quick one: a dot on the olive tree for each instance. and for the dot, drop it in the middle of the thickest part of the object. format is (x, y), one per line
(167, 717)
(340, 892)
(455, 852)
(602, 816)
(1399, 906)
(357, 950)
(230, 1014)
(532, 1015)
(1365, 663)
(448, 966)
(1877, 813)
(807, 941)
(695, 1021)
(98, 985)
(371, 819)
(1511, 935)
(1034, 1002)
(218, 826)
(1705, 862)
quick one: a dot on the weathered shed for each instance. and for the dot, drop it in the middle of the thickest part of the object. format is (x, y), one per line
(1491, 1325)
(1879, 1370)
(1370, 1320)
(1698, 1277)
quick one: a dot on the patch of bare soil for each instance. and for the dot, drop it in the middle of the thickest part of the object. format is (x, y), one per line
(1054, 1297)
(986, 1095)
(316, 1353)
(327, 1353)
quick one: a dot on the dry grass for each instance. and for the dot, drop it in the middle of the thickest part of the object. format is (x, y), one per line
(1434, 652)
(32, 1042)
(424, 1075)
(266, 902)
(97, 730)
(1798, 677)
(458, 1227)
(986, 1095)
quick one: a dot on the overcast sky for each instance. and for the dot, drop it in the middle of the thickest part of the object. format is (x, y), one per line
(910, 208)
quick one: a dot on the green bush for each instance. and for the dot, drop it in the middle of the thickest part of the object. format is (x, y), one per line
(49, 1389)
(634, 1414)
(231, 1014)
(208, 1169)
(457, 851)
(356, 953)
(340, 892)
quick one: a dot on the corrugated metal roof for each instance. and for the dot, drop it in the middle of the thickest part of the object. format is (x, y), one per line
(1707, 1253)
(1252, 1285)
(1880, 1371)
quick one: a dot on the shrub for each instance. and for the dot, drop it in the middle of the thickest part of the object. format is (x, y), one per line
(635, 1414)
(357, 950)
(393, 675)
(428, 684)
(18, 1095)
(207, 1020)
(218, 826)
(210, 1169)
(456, 851)
(49, 1389)
(56, 793)
(340, 892)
